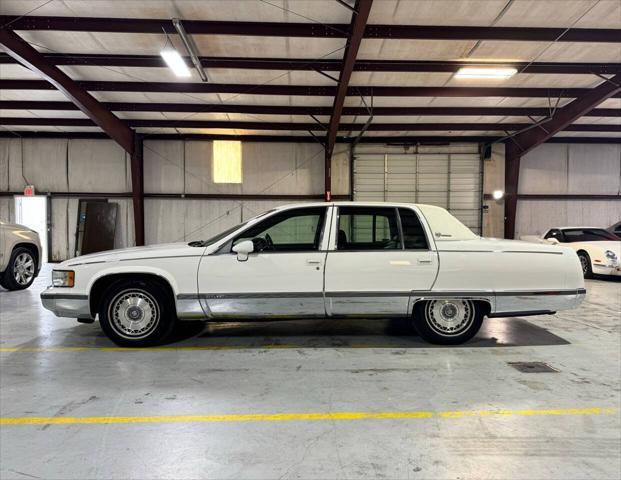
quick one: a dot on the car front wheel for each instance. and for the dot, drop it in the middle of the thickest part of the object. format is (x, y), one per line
(448, 321)
(21, 270)
(137, 314)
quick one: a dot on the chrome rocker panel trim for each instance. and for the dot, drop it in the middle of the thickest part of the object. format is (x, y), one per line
(354, 304)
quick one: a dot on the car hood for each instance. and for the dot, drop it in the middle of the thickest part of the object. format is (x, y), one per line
(15, 226)
(137, 253)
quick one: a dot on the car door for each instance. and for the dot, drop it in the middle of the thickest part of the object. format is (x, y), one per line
(377, 257)
(283, 277)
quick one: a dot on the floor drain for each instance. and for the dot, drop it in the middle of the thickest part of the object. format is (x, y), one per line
(533, 367)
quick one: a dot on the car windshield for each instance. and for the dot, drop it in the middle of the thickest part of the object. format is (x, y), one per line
(220, 236)
(588, 235)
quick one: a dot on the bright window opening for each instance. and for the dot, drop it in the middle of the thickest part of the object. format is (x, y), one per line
(227, 161)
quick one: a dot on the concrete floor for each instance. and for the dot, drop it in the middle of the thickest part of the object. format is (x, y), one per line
(312, 367)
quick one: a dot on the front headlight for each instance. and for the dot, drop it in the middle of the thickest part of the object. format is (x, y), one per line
(610, 254)
(63, 278)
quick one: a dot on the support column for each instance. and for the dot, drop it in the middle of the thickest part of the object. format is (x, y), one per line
(137, 167)
(513, 155)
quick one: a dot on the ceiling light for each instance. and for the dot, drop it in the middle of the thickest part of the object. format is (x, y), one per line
(498, 194)
(175, 62)
(191, 48)
(485, 72)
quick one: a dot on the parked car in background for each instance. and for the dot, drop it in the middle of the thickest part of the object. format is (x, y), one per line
(616, 229)
(20, 256)
(343, 259)
(598, 249)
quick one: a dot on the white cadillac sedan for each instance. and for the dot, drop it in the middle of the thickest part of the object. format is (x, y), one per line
(342, 259)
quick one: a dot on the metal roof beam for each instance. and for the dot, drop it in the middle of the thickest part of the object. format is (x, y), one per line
(299, 110)
(97, 113)
(358, 23)
(290, 29)
(259, 63)
(522, 143)
(565, 116)
(400, 140)
(299, 126)
(304, 90)
(56, 79)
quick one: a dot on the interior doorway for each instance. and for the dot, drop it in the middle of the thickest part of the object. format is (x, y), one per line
(32, 212)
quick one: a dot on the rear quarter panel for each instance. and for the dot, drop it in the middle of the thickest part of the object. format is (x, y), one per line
(507, 268)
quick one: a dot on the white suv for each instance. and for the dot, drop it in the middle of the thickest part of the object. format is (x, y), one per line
(20, 256)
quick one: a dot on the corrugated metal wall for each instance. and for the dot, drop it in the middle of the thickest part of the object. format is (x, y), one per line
(62, 165)
(448, 176)
(569, 169)
(175, 167)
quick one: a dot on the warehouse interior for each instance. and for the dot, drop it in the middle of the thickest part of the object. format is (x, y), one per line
(321, 100)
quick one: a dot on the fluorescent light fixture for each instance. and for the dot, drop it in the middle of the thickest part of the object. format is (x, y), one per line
(485, 72)
(498, 194)
(191, 48)
(175, 62)
(227, 161)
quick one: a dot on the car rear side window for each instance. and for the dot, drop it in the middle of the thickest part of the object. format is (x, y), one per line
(414, 237)
(368, 228)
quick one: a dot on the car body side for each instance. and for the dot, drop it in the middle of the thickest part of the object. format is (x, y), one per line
(508, 277)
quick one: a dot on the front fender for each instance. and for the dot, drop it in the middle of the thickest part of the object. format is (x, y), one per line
(134, 270)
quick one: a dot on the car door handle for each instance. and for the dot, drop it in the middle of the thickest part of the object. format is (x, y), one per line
(424, 262)
(313, 262)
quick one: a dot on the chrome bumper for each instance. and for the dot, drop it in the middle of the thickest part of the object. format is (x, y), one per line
(66, 304)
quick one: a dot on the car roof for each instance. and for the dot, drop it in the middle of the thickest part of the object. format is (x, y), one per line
(353, 203)
(576, 228)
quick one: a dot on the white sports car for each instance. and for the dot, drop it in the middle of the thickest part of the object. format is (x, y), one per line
(599, 250)
(321, 260)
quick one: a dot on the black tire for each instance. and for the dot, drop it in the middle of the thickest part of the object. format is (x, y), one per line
(15, 277)
(585, 262)
(433, 322)
(150, 302)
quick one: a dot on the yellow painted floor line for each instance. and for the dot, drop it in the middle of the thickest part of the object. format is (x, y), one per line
(197, 347)
(284, 417)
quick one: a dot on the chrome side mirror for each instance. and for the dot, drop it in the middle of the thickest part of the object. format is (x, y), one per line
(242, 249)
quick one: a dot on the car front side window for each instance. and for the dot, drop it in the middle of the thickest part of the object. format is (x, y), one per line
(297, 230)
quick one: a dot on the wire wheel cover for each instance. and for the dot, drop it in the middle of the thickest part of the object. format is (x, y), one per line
(134, 314)
(449, 317)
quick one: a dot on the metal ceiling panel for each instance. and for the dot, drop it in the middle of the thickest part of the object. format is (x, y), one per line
(378, 49)
(535, 13)
(326, 11)
(413, 79)
(434, 12)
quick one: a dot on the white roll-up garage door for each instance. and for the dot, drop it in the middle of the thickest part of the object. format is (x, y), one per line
(448, 176)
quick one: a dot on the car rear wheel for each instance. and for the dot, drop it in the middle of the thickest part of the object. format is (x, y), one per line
(585, 263)
(20, 271)
(137, 314)
(448, 321)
